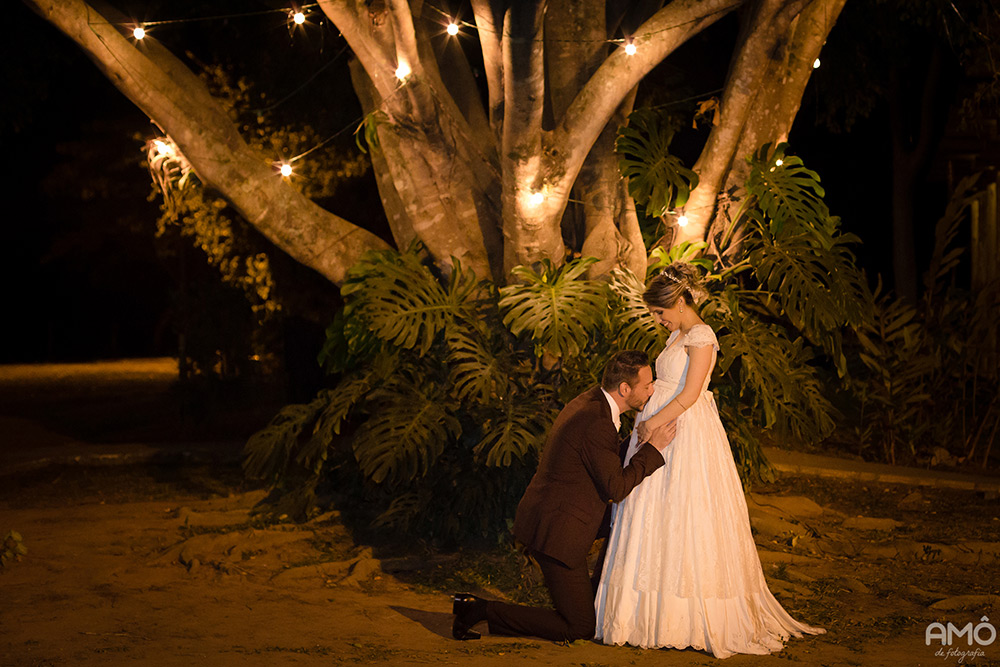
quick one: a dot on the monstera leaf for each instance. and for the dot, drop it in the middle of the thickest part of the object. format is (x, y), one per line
(402, 302)
(787, 192)
(406, 432)
(657, 180)
(558, 307)
(637, 330)
(478, 372)
(268, 451)
(517, 432)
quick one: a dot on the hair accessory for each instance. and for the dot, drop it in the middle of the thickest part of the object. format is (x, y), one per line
(671, 277)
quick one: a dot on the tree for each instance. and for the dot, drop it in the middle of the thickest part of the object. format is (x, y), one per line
(489, 183)
(918, 60)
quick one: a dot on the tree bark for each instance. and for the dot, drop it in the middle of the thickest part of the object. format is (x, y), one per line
(765, 27)
(168, 92)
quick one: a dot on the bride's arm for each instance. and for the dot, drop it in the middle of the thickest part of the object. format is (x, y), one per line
(698, 367)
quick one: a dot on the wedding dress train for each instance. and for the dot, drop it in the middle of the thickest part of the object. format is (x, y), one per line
(682, 568)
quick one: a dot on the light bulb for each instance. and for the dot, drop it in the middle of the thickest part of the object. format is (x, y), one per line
(536, 198)
(299, 18)
(630, 49)
(286, 170)
(452, 29)
(162, 148)
(779, 162)
(139, 33)
(402, 71)
(682, 220)
(816, 64)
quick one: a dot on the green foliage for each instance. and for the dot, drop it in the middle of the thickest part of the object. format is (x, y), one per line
(932, 369)
(657, 180)
(559, 309)
(447, 386)
(11, 549)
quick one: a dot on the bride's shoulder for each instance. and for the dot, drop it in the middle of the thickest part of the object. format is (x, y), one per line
(699, 335)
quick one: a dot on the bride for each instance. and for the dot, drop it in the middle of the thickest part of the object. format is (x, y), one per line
(682, 567)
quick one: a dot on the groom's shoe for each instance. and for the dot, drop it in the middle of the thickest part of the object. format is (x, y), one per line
(468, 610)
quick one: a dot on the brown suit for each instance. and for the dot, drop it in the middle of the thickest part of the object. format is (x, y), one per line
(561, 513)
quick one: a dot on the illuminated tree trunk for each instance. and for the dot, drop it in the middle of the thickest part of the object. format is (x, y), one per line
(525, 174)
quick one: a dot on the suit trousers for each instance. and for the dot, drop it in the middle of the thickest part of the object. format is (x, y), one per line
(572, 591)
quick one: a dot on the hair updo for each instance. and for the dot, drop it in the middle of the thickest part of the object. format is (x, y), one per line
(680, 280)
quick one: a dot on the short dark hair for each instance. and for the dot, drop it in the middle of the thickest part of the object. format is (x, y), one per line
(623, 367)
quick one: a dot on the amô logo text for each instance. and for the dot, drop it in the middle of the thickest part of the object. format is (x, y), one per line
(982, 634)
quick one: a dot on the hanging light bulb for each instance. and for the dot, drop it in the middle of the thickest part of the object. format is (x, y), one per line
(630, 49)
(299, 18)
(779, 162)
(816, 64)
(682, 220)
(285, 169)
(162, 147)
(402, 71)
(139, 32)
(452, 29)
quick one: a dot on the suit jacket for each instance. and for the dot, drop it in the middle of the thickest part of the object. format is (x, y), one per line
(579, 475)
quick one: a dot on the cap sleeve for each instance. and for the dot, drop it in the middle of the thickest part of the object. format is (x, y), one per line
(701, 335)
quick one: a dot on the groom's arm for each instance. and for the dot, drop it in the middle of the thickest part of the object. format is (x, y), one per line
(601, 459)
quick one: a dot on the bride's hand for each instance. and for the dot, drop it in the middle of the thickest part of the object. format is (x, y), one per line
(642, 430)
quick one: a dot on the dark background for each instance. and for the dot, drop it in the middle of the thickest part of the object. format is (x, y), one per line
(82, 272)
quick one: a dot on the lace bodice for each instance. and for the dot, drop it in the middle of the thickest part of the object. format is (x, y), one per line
(672, 364)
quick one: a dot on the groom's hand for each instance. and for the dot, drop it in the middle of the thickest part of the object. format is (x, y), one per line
(663, 436)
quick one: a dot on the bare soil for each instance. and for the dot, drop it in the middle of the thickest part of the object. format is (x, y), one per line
(168, 565)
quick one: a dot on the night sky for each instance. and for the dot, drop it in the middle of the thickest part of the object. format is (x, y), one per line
(81, 270)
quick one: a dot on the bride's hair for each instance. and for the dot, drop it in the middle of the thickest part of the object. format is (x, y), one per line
(679, 280)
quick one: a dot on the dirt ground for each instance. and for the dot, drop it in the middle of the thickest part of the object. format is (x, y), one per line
(166, 565)
(162, 567)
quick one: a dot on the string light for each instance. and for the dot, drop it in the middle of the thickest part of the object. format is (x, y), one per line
(682, 220)
(816, 64)
(162, 148)
(452, 28)
(139, 32)
(298, 18)
(779, 162)
(403, 71)
(630, 49)
(285, 170)
(536, 198)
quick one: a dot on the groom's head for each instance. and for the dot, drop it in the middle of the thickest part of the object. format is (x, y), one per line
(629, 379)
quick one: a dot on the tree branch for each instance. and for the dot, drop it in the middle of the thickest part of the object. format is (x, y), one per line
(166, 91)
(753, 64)
(594, 105)
(405, 35)
(489, 40)
(373, 57)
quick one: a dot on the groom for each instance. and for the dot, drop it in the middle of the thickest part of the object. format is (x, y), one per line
(562, 510)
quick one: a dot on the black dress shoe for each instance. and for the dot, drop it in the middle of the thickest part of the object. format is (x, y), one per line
(468, 610)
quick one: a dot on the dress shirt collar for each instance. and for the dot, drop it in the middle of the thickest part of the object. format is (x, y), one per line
(616, 416)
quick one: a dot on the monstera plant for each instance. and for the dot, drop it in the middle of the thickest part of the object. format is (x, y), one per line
(447, 384)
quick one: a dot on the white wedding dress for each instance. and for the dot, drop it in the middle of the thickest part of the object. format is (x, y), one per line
(682, 567)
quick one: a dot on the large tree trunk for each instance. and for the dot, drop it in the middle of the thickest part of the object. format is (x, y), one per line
(486, 184)
(160, 85)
